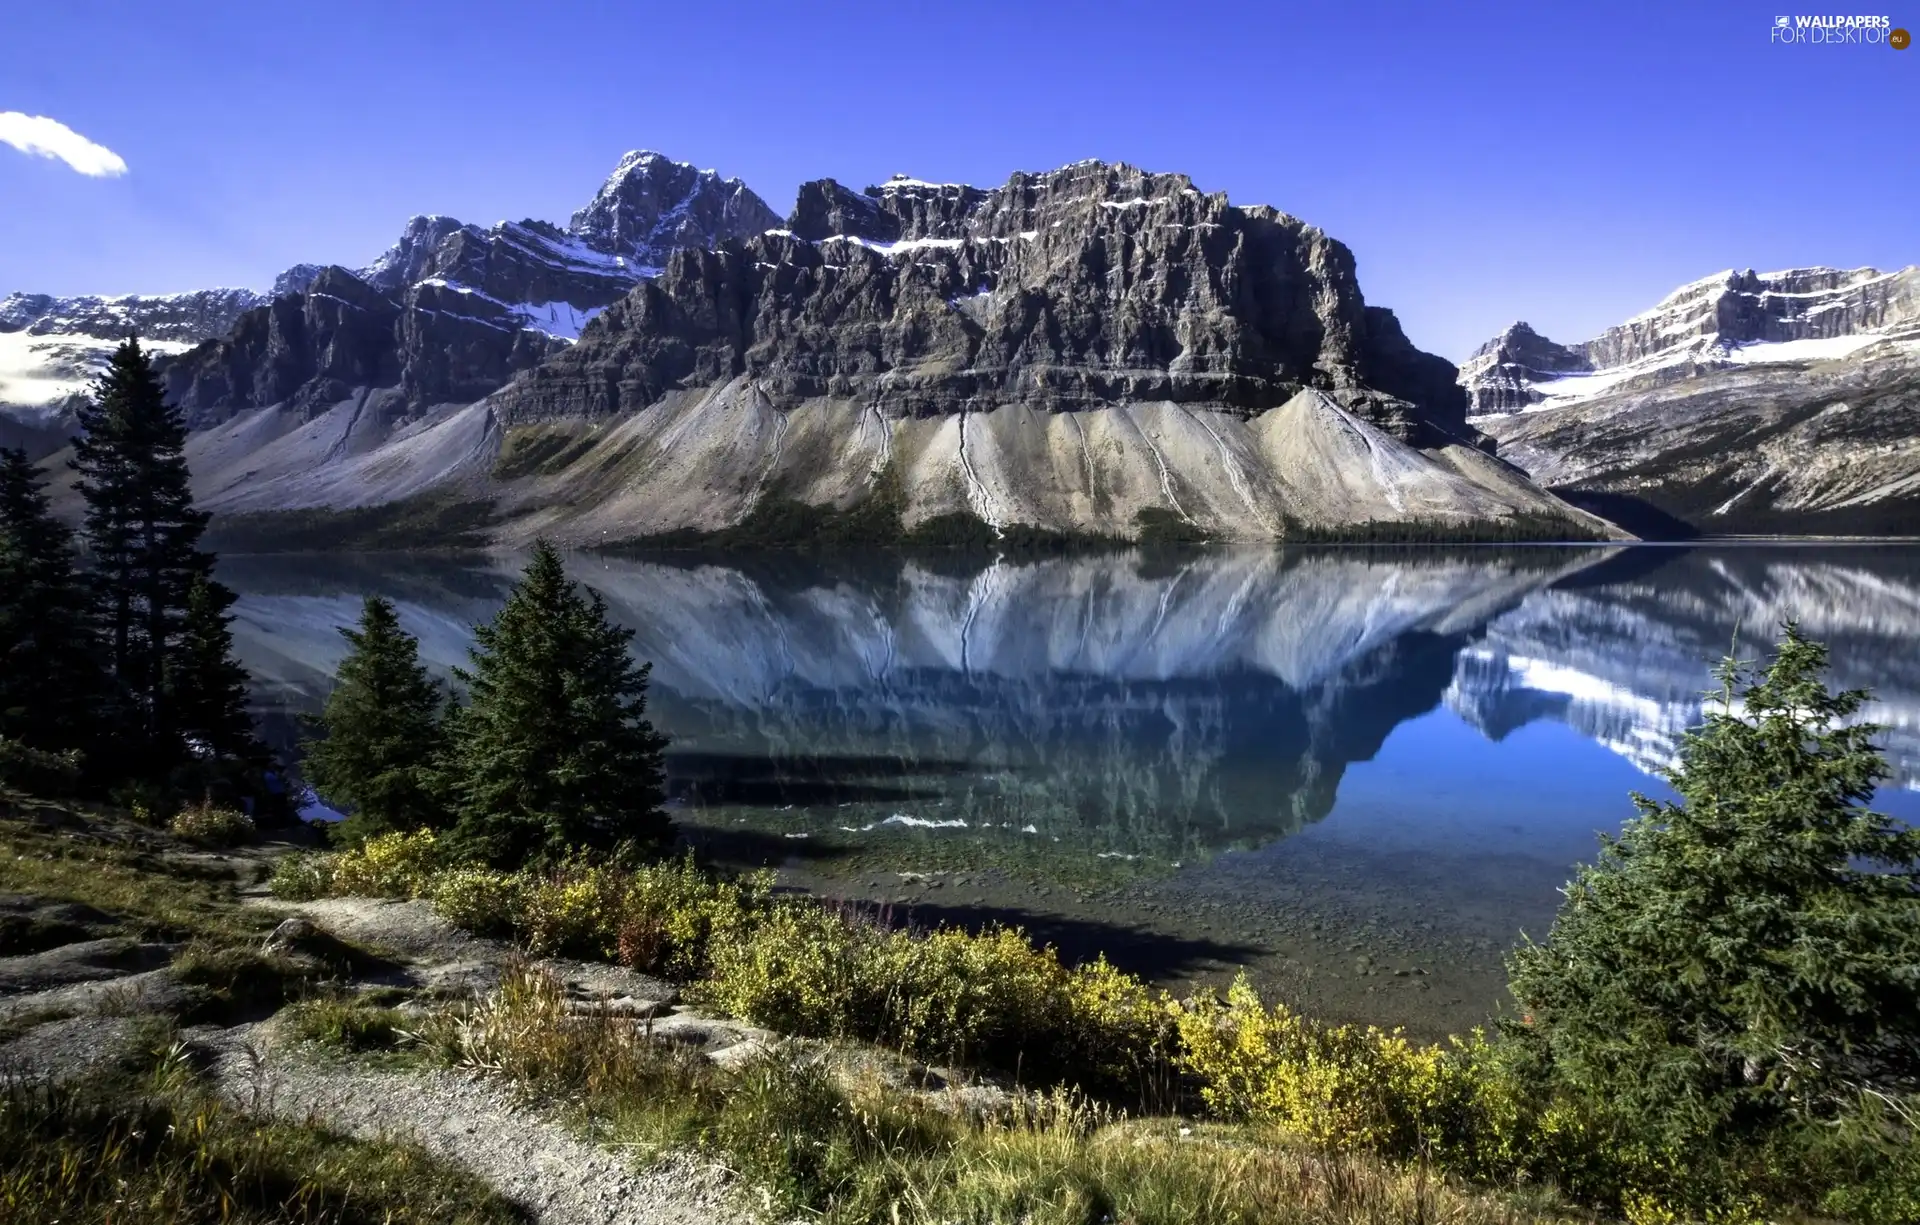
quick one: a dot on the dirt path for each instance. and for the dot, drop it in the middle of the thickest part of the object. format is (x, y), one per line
(557, 1178)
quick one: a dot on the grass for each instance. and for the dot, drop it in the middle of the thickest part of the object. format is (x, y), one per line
(147, 896)
(819, 1140)
(237, 982)
(148, 1145)
(348, 1024)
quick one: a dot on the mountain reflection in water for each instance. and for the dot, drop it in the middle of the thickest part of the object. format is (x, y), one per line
(1161, 706)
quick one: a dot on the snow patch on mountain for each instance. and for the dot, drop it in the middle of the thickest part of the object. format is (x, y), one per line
(1796, 316)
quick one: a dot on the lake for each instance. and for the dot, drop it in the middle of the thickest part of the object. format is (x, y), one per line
(1359, 774)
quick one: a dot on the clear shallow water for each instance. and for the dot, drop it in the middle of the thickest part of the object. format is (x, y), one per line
(1324, 764)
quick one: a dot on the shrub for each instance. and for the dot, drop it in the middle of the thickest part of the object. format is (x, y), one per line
(798, 974)
(661, 918)
(949, 996)
(481, 900)
(952, 995)
(1119, 1033)
(388, 865)
(36, 770)
(1347, 1089)
(211, 824)
(575, 910)
(672, 915)
(302, 876)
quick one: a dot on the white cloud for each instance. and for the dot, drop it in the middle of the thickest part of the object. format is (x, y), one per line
(44, 137)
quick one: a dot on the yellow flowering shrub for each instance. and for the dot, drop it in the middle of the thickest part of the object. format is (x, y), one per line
(951, 993)
(1338, 1087)
(389, 865)
(575, 910)
(480, 900)
(1118, 1030)
(672, 914)
(801, 972)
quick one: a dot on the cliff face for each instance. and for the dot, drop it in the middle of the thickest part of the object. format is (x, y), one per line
(431, 343)
(1745, 402)
(451, 311)
(1091, 285)
(1089, 349)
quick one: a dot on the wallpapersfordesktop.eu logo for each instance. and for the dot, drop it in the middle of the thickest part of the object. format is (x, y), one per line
(1839, 31)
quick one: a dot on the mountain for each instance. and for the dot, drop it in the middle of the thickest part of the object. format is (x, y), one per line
(1089, 349)
(446, 314)
(1745, 402)
(51, 348)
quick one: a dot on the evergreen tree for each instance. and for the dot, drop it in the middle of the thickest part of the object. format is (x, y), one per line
(206, 688)
(1742, 961)
(383, 744)
(142, 536)
(52, 689)
(553, 750)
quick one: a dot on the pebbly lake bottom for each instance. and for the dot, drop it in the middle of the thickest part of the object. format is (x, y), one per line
(1358, 774)
(1398, 911)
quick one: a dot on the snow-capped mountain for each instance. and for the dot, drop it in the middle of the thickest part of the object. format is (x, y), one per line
(456, 307)
(52, 348)
(1079, 349)
(1746, 401)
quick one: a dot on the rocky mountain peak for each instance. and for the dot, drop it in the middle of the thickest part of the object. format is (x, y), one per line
(1093, 284)
(651, 204)
(1730, 318)
(909, 209)
(1499, 374)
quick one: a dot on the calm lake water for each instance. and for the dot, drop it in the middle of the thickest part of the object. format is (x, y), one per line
(1358, 774)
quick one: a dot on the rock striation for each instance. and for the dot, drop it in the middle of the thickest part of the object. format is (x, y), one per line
(1744, 402)
(447, 314)
(451, 311)
(1091, 285)
(1089, 349)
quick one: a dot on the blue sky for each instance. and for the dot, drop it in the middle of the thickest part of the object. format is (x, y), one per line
(1562, 163)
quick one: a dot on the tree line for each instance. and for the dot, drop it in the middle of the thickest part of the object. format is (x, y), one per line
(118, 677)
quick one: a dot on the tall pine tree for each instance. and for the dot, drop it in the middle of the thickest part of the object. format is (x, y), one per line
(52, 688)
(383, 745)
(142, 536)
(554, 751)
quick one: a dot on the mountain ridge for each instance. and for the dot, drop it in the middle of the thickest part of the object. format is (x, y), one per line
(1741, 402)
(1073, 350)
